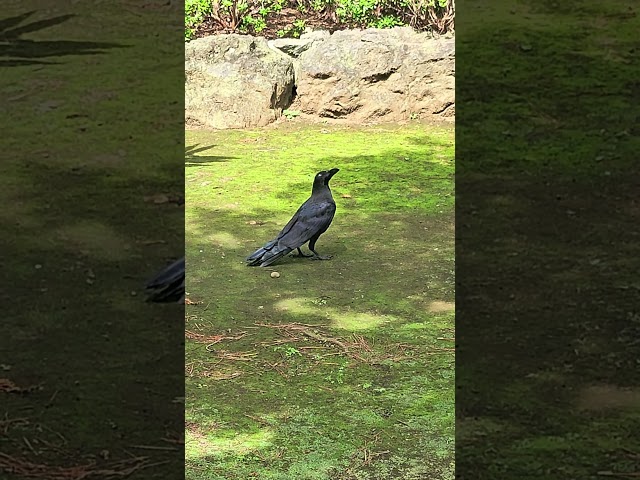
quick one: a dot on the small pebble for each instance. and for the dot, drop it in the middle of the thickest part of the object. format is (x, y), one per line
(275, 274)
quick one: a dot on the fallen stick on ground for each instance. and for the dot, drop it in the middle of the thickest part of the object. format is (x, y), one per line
(307, 330)
(26, 469)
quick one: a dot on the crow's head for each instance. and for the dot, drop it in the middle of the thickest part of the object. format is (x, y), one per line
(322, 178)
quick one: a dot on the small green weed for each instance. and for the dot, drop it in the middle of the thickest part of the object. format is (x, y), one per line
(287, 350)
(291, 114)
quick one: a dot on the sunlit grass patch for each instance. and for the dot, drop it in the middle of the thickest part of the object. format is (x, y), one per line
(334, 369)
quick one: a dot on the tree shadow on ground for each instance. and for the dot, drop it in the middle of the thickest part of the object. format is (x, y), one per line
(26, 52)
(193, 158)
(79, 241)
(545, 295)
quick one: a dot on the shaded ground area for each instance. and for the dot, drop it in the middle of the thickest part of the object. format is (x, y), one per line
(341, 369)
(548, 231)
(88, 371)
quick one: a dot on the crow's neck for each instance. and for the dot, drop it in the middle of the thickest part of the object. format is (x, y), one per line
(321, 189)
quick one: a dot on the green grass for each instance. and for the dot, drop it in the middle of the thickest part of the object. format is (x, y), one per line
(78, 236)
(295, 405)
(546, 135)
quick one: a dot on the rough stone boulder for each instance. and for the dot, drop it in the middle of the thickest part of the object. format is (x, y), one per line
(295, 46)
(235, 81)
(365, 75)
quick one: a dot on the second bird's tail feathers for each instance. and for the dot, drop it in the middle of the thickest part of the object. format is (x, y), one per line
(168, 285)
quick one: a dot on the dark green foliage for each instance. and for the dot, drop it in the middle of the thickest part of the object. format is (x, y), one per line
(258, 16)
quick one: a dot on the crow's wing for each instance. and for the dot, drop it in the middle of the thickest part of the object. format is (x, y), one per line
(313, 218)
(274, 248)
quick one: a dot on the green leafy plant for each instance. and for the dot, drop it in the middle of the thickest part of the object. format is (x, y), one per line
(386, 21)
(288, 351)
(298, 28)
(357, 10)
(256, 23)
(277, 5)
(339, 373)
(255, 16)
(229, 14)
(320, 5)
(195, 11)
(295, 30)
(291, 114)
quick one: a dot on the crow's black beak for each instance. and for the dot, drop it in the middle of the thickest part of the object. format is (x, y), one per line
(332, 172)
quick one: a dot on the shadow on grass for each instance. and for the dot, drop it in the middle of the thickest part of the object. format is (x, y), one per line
(546, 307)
(335, 368)
(193, 158)
(79, 239)
(390, 182)
(75, 278)
(27, 52)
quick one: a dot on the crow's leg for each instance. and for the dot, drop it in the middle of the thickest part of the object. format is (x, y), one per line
(316, 255)
(300, 254)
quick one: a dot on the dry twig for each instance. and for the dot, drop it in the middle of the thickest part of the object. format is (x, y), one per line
(306, 330)
(211, 339)
(619, 474)
(7, 422)
(8, 386)
(26, 469)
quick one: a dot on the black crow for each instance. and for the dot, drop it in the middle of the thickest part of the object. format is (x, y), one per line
(310, 221)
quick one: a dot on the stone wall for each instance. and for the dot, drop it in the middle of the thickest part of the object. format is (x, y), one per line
(239, 81)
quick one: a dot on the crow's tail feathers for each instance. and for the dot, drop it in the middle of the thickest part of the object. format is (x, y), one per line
(172, 293)
(254, 258)
(267, 255)
(168, 285)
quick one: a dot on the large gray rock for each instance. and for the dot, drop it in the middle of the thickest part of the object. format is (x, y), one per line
(235, 81)
(295, 46)
(371, 74)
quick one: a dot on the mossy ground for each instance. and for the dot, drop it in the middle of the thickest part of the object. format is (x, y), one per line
(547, 138)
(78, 236)
(271, 400)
